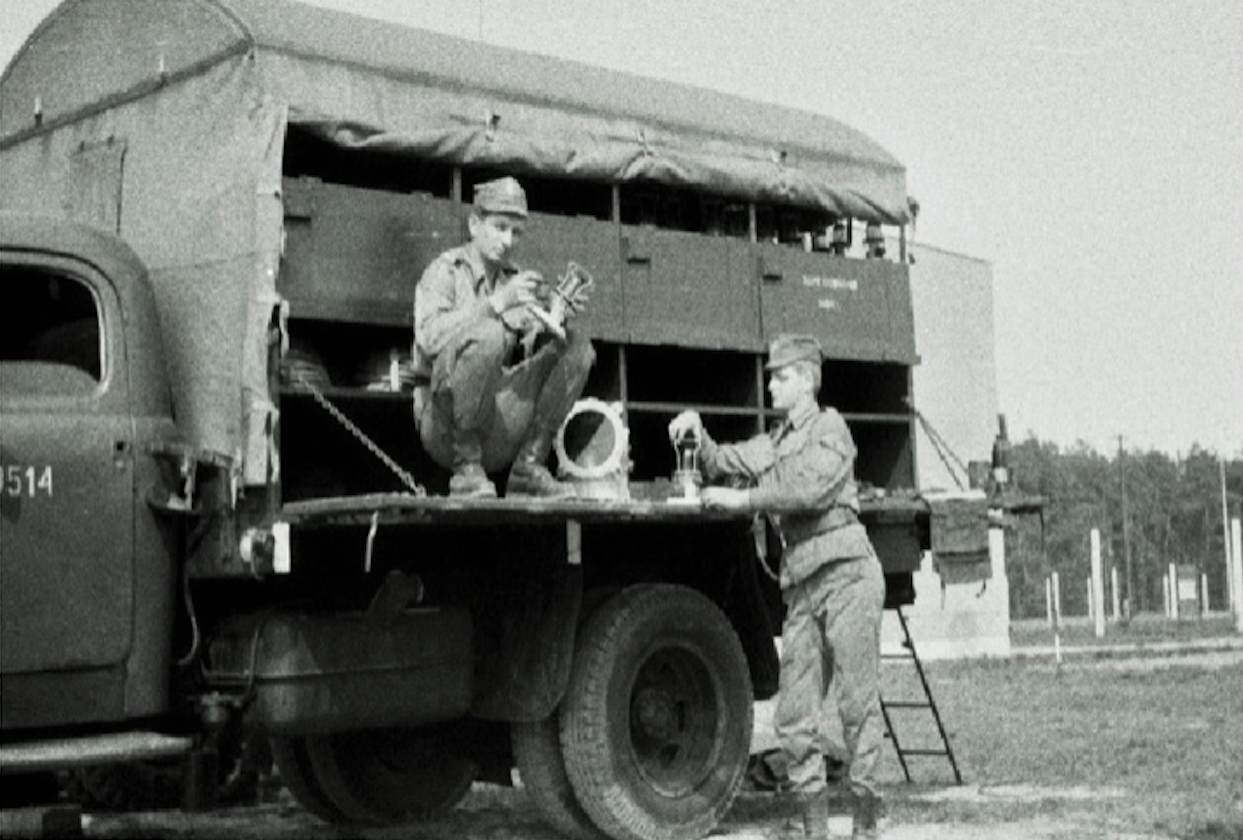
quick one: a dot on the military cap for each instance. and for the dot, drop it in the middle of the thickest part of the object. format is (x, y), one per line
(788, 348)
(504, 195)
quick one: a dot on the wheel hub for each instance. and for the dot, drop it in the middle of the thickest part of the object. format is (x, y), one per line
(673, 721)
(656, 714)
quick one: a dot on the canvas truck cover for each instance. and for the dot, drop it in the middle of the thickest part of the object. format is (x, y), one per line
(164, 120)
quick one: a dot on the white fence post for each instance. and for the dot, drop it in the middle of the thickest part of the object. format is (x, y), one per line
(1057, 619)
(1173, 592)
(1048, 600)
(1057, 601)
(1117, 596)
(1096, 585)
(1236, 557)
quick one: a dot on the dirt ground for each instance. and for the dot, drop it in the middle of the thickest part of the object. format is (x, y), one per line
(973, 811)
(491, 813)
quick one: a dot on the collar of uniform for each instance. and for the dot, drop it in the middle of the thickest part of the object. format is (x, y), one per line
(468, 257)
(802, 414)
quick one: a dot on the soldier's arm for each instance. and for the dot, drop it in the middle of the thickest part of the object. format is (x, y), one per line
(811, 478)
(746, 459)
(438, 315)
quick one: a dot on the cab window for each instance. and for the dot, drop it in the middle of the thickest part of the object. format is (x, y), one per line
(50, 338)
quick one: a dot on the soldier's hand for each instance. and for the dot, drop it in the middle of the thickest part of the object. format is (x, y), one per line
(688, 422)
(519, 290)
(727, 498)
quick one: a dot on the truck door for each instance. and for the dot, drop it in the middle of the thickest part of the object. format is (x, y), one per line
(67, 498)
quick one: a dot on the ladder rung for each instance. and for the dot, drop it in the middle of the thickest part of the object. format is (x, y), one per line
(925, 752)
(906, 704)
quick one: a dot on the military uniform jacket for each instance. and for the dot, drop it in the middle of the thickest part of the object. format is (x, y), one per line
(803, 475)
(451, 295)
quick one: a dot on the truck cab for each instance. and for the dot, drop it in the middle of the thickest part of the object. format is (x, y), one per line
(89, 577)
(90, 510)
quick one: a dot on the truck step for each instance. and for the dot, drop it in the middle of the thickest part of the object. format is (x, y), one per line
(90, 750)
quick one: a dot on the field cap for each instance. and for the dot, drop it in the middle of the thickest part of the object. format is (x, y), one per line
(504, 195)
(788, 348)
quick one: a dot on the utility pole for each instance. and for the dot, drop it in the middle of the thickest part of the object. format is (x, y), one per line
(1128, 604)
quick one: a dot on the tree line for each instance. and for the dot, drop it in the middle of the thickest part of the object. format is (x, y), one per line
(1173, 511)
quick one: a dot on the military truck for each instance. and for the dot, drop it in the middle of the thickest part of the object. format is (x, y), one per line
(218, 524)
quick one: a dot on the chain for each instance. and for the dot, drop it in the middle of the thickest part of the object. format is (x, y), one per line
(406, 478)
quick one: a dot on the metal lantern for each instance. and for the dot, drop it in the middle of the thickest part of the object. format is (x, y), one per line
(570, 295)
(686, 475)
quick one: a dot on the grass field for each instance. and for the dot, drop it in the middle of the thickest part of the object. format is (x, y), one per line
(1147, 745)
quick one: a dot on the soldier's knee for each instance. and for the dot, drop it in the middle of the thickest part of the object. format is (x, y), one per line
(484, 340)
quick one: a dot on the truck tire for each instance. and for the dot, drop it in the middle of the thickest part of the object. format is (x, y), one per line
(294, 766)
(656, 721)
(387, 776)
(537, 752)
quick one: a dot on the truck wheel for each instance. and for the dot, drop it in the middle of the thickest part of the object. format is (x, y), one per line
(537, 752)
(294, 766)
(656, 721)
(387, 776)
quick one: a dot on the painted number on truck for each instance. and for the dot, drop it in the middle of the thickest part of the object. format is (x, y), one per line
(26, 481)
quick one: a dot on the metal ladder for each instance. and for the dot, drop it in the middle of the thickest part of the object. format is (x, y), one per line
(926, 703)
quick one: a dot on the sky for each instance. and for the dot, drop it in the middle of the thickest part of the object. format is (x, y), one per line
(1092, 153)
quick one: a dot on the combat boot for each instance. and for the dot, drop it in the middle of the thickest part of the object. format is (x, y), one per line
(868, 812)
(471, 482)
(811, 820)
(529, 477)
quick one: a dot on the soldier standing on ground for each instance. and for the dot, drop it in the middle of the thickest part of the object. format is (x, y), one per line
(478, 405)
(831, 580)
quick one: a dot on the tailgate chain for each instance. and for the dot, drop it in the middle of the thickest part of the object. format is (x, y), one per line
(406, 478)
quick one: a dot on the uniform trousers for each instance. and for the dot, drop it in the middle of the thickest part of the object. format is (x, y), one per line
(831, 636)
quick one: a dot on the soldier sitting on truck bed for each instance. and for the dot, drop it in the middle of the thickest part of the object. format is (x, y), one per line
(478, 405)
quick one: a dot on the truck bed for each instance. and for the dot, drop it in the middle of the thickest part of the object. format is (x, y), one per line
(406, 508)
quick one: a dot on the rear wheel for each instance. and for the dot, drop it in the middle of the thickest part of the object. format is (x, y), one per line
(656, 722)
(375, 777)
(537, 752)
(294, 766)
